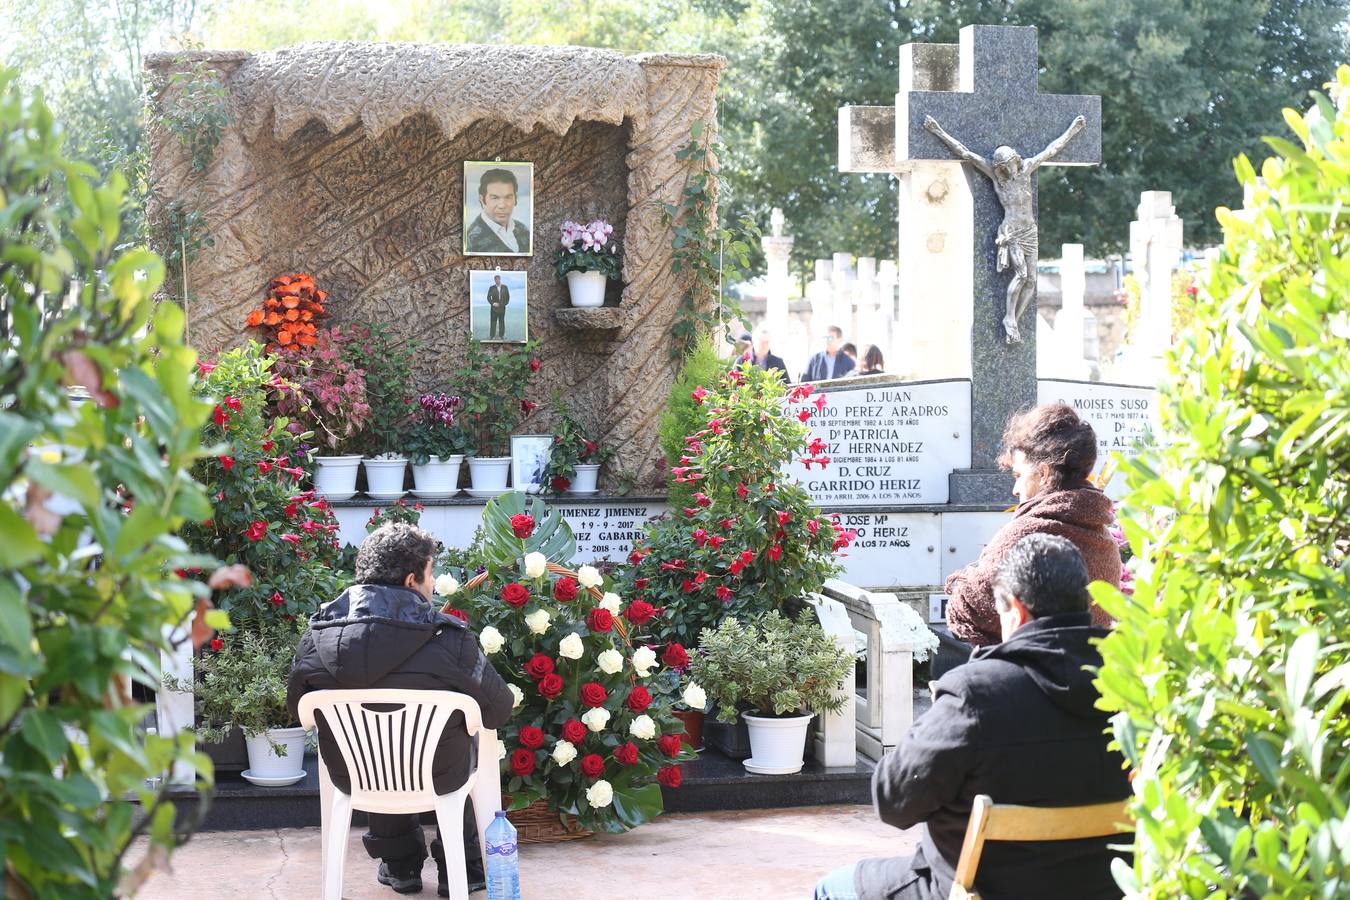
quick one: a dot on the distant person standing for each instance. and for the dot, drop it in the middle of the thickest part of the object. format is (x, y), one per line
(760, 355)
(830, 362)
(872, 363)
(851, 351)
(497, 297)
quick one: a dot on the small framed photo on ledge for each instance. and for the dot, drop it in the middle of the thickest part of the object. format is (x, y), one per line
(529, 459)
(499, 309)
(498, 209)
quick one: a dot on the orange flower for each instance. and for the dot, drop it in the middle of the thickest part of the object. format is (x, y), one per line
(255, 318)
(272, 318)
(283, 337)
(292, 315)
(306, 340)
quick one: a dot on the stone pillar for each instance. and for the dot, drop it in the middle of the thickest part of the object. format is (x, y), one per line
(778, 283)
(887, 278)
(1155, 252)
(841, 309)
(820, 294)
(1075, 353)
(862, 330)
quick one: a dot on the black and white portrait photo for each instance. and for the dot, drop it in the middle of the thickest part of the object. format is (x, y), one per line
(498, 208)
(529, 459)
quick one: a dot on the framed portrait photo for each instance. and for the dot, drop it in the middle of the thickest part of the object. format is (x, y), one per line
(499, 309)
(498, 209)
(529, 459)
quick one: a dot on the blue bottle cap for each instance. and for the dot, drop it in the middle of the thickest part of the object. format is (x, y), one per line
(501, 814)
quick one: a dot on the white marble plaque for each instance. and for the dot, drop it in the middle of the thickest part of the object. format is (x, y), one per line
(889, 444)
(608, 530)
(893, 549)
(1120, 414)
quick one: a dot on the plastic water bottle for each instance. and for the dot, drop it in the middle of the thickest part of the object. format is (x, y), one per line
(503, 863)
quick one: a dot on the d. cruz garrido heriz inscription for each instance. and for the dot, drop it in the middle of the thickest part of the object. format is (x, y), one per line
(888, 444)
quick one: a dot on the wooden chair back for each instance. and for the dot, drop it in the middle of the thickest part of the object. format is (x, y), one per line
(990, 821)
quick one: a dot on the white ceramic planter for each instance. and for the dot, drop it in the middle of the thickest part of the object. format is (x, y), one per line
(335, 476)
(489, 473)
(263, 761)
(587, 288)
(384, 477)
(438, 479)
(583, 482)
(776, 745)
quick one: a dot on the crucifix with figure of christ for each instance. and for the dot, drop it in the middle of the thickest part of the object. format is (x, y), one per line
(976, 103)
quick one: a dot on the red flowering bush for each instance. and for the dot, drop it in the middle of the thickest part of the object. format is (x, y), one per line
(587, 731)
(748, 541)
(492, 384)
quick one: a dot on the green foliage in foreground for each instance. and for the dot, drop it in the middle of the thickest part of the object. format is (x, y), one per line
(683, 415)
(1230, 665)
(93, 493)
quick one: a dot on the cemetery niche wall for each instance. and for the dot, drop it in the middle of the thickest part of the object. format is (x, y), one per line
(345, 160)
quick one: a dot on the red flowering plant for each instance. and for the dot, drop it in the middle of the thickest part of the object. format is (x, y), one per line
(320, 392)
(260, 516)
(572, 447)
(750, 540)
(492, 384)
(589, 735)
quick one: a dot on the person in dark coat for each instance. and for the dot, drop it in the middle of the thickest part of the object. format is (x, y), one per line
(831, 362)
(384, 632)
(760, 355)
(497, 297)
(1019, 723)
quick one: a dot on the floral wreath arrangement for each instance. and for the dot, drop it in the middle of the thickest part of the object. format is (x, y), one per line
(589, 735)
(572, 447)
(587, 248)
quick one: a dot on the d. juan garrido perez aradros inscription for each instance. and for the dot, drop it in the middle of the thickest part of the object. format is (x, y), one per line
(888, 444)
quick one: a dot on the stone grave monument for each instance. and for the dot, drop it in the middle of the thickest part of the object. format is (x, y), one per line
(1155, 254)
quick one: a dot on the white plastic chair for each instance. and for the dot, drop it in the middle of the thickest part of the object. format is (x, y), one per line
(389, 756)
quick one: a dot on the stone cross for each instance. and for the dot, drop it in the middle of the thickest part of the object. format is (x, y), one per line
(1155, 252)
(984, 92)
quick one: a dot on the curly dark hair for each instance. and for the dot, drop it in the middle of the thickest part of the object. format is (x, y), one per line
(1052, 435)
(391, 553)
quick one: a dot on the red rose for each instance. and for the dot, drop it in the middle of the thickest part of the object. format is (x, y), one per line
(599, 619)
(639, 698)
(669, 744)
(573, 731)
(639, 612)
(458, 614)
(626, 753)
(218, 645)
(523, 525)
(277, 599)
(550, 686)
(256, 531)
(560, 484)
(538, 666)
(593, 694)
(522, 762)
(531, 738)
(535, 364)
(515, 594)
(593, 765)
(227, 463)
(565, 590)
(675, 656)
(669, 776)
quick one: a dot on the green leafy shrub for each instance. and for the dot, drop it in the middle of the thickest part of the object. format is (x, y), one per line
(683, 415)
(492, 385)
(1230, 665)
(386, 364)
(241, 681)
(775, 665)
(92, 492)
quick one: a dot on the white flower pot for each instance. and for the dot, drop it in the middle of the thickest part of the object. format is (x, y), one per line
(583, 482)
(439, 478)
(335, 476)
(489, 473)
(384, 477)
(776, 745)
(587, 288)
(263, 760)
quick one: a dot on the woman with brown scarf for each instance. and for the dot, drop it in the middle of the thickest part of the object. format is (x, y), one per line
(1051, 451)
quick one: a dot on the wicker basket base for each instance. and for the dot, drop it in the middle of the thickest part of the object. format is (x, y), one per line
(537, 824)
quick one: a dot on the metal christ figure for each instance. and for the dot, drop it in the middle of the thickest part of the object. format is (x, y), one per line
(1018, 242)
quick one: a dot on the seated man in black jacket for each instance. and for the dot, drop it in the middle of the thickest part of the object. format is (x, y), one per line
(384, 632)
(1018, 723)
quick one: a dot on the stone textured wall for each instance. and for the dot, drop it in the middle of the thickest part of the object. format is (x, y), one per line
(346, 161)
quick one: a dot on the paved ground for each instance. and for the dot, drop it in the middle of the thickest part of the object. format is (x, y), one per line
(772, 853)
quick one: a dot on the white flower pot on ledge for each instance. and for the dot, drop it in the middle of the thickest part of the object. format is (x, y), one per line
(263, 760)
(335, 476)
(489, 473)
(439, 478)
(777, 745)
(587, 288)
(384, 477)
(583, 481)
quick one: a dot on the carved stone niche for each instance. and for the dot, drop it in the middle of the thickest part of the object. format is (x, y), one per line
(345, 160)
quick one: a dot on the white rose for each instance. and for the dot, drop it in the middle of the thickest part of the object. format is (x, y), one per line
(600, 794)
(694, 696)
(536, 564)
(644, 658)
(589, 577)
(642, 728)
(538, 621)
(501, 750)
(446, 585)
(595, 718)
(612, 603)
(517, 694)
(610, 662)
(570, 646)
(491, 639)
(564, 752)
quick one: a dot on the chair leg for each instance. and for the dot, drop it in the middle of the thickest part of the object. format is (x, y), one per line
(335, 841)
(450, 824)
(325, 812)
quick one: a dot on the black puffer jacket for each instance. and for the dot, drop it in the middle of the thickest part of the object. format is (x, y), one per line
(382, 636)
(1017, 723)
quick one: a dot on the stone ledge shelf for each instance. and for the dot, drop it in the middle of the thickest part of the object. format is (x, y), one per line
(598, 318)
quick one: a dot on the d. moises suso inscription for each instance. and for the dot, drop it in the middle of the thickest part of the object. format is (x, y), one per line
(608, 530)
(888, 444)
(1123, 416)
